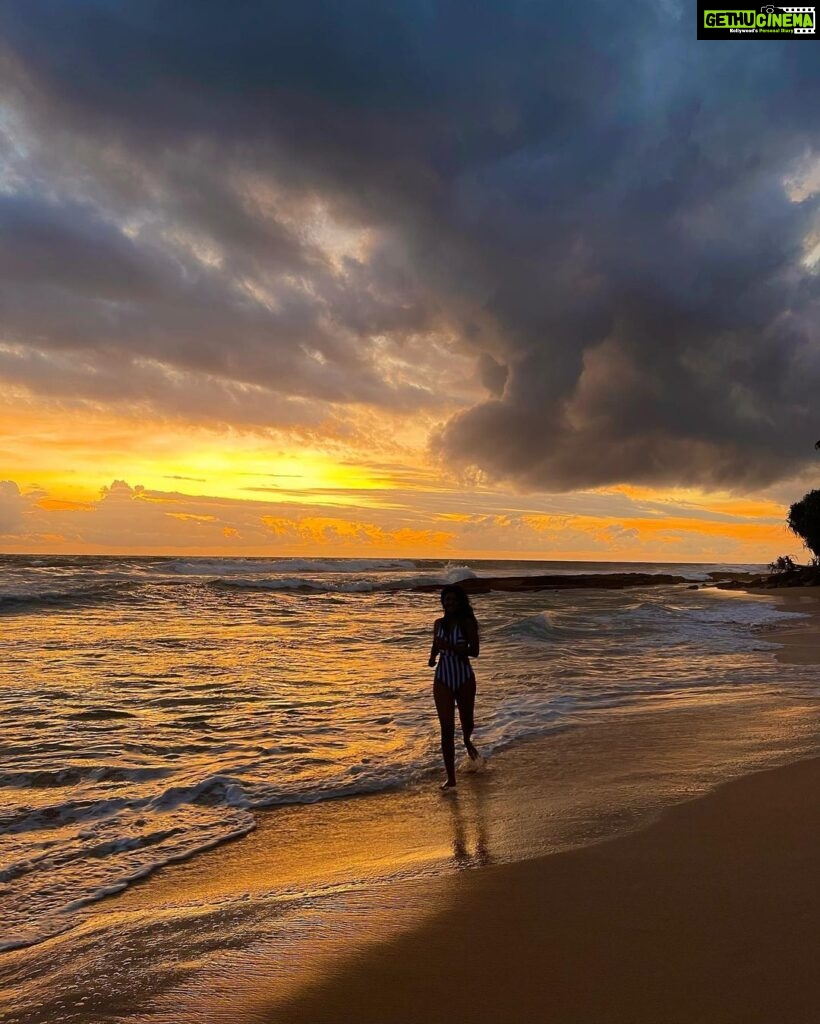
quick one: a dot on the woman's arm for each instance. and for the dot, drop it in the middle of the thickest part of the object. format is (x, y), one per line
(435, 648)
(471, 629)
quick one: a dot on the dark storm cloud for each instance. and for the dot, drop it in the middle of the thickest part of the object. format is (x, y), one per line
(585, 198)
(71, 280)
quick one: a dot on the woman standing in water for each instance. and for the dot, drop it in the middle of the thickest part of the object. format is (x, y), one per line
(455, 641)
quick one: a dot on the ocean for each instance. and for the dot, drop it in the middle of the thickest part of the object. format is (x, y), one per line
(150, 707)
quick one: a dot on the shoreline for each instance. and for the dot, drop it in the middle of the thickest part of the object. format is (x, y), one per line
(378, 867)
(800, 641)
(245, 932)
(708, 915)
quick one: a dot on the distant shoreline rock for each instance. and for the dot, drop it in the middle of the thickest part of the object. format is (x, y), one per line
(805, 576)
(581, 581)
(802, 576)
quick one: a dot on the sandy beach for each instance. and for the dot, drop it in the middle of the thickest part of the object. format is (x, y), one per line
(711, 914)
(656, 866)
(800, 643)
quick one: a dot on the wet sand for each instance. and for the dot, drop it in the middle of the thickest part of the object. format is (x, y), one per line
(710, 915)
(801, 642)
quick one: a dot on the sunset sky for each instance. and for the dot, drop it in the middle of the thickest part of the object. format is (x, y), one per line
(405, 278)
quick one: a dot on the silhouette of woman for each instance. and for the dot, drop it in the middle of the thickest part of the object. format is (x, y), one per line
(455, 641)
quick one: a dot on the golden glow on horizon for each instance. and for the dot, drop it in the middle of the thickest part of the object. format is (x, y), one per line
(316, 532)
(99, 448)
(665, 529)
(204, 489)
(722, 503)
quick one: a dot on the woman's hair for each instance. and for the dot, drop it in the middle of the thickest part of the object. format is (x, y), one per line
(464, 610)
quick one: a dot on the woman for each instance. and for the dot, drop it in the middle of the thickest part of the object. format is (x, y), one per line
(455, 641)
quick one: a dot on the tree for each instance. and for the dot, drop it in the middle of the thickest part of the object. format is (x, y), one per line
(804, 521)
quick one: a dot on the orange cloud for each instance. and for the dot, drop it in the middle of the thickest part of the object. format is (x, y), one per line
(320, 531)
(751, 532)
(727, 505)
(62, 505)
(672, 538)
(415, 516)
(191, 517)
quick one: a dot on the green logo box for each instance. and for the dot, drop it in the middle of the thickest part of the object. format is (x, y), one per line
(765, 21)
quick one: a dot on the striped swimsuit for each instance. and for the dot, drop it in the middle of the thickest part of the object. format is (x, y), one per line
(452, 669)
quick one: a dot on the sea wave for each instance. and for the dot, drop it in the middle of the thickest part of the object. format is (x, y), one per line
(89, 873)
(30, 597)
(294, 566)
(307, 584)
(305, 576)
(106, 845)
(72, 775)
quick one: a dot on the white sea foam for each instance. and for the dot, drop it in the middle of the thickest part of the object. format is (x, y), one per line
(366, 585)
(291, 566)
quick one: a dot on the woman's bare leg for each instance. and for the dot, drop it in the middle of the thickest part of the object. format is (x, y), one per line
(446, 708)
(465, 698)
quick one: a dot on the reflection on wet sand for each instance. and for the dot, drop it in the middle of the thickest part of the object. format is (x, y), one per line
(468, 819)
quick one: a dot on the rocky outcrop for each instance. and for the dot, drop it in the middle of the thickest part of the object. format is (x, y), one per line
(586, 581)
(802, 576)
